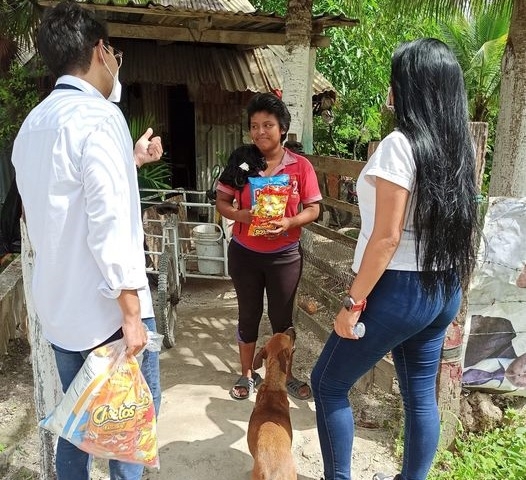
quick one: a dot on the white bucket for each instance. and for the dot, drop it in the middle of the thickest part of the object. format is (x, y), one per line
(208, 243)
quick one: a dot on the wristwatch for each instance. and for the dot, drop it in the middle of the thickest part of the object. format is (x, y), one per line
(352, 306)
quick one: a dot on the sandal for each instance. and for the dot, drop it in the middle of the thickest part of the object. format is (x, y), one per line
(248, 384)
(294, 386)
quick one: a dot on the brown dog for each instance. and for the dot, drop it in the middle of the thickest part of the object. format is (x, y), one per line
(269, 429)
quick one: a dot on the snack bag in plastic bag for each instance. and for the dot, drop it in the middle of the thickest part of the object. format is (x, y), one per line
(269, 197)
(108, 409)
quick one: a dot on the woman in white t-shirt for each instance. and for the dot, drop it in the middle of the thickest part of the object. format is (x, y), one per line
(417, 204)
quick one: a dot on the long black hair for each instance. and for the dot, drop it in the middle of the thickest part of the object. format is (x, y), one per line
(431, 111)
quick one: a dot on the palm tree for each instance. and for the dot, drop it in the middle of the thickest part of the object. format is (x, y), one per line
(508, 176)
(298, 66)
(479, 42)
(18, 22)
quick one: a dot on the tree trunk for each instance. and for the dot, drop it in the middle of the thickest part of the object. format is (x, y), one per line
(298, 70)
(48, 390)
(508, 174)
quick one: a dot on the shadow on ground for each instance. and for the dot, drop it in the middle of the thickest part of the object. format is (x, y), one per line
(202, 430)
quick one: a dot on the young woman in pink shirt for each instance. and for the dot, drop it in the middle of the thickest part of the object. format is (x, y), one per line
(272, 262)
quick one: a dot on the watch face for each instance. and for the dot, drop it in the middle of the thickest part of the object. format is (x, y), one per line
(348, 302)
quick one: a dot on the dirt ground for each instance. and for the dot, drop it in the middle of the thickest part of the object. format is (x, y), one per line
(202, 431)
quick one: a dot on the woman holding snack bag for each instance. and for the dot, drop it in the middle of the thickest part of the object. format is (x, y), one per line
(270, 192)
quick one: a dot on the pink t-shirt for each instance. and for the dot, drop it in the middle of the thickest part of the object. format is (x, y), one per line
(304, 190)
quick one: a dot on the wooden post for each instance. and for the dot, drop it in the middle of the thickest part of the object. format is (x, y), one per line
(449, 380)
(371, 148)
(48, 390)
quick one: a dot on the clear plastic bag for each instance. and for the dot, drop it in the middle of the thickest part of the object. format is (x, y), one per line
(108, 409)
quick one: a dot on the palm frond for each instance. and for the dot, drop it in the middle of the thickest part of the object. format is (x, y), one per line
(19, 20)
(444, 9)
(155, 175)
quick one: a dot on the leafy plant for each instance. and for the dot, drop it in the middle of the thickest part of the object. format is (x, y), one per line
(18, 23)
(152, 175)
(478, 39)
(18, 95)
(357, 63)
(497, 454)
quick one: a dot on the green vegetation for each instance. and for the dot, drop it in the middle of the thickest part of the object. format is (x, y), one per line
(154, 175)
(478, 40)
(358, 65)
(497, 454)
(18, 95)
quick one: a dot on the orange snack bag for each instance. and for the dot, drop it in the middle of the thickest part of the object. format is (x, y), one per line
(108, 409)
(269, 201)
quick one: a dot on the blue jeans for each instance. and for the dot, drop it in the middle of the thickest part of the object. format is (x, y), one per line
(71, 462)
(400, 317)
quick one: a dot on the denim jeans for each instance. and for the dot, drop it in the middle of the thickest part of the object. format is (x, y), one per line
(71, 462)
(400, 317)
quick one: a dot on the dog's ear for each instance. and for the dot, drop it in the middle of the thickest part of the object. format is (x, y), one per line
(258, 359)
(283, 358)
(291, 332)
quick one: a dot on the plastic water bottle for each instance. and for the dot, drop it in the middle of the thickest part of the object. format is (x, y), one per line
(359, 329)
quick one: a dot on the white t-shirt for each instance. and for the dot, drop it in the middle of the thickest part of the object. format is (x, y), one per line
(78, 182)
(393, 161)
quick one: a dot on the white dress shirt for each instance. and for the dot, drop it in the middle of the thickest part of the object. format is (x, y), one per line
(77, 178)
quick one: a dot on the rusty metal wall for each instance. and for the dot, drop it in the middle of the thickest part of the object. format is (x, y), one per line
(214, 141)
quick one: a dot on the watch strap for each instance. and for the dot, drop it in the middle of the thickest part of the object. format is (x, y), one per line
(352, 306)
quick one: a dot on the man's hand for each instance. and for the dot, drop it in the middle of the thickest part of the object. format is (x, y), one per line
(132, 327)
(134, 335)
(147, 149)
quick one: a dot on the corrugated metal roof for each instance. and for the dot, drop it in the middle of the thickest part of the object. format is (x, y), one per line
(233, 70)
(248, 17)
(189, 5)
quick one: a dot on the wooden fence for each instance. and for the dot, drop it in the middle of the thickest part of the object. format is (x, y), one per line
(13, 313)
(320, 300)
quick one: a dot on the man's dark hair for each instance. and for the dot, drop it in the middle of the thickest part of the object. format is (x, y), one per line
(268, 102)
(66, 38)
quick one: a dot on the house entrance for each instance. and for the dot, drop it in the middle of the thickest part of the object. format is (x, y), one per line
(182, 137)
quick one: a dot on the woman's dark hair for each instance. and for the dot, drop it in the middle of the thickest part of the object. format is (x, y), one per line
(431, 111)
(268, 102)
(66, 38)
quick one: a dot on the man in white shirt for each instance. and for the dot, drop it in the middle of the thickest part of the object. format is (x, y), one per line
(76, 172)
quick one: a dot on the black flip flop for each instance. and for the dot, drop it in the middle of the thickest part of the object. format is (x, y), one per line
(248, 384)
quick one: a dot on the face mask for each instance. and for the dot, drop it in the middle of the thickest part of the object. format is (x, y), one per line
(116, 91)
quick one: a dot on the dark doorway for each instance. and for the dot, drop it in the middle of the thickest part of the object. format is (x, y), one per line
(182, 137)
